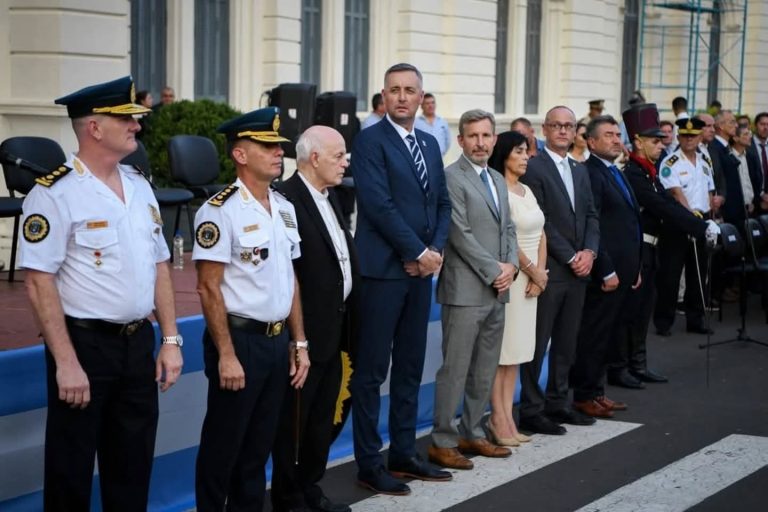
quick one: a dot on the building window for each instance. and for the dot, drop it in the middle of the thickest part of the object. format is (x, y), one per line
(311, 40)
(629, 50)
(532, 56)
(502, 24)
(212, 49)
(148, 32)
(356, 31)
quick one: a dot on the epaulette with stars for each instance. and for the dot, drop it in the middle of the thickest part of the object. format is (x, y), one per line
(672, 160)
(49, 179)
(220, 198)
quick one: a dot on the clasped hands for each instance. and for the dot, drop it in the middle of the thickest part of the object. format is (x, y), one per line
(429, 263)
(581, 265)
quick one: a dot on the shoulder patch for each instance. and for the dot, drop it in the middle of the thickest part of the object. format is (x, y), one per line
(36, 228)
(207, 235)
(49, 179)
(671, 160)
(220, 198)
(665, 172)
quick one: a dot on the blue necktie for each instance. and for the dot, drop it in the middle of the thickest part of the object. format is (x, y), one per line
(623, 186)
(484, 177)
(418, 159)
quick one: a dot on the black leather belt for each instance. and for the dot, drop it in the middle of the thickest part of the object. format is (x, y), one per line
(126, 329)
(248, 324)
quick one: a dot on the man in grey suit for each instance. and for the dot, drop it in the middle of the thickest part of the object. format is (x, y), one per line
(563, 191)
(479, 267)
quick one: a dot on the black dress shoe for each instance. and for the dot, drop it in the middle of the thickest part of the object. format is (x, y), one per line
(664, 333)
(540, 424)
(648, 376)
(381, 482)
(419, 469)
(625, 380)
(326, 505)
(570, 416)
(699, 329)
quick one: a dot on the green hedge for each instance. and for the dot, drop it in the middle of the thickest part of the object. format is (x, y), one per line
(199, 117)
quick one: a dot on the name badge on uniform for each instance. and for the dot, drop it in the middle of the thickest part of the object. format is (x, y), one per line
(96, 224)
(252, 227)
(156, 218)
(683, 173)
(287, 219)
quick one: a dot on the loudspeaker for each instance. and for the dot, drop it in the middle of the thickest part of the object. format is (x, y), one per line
(297, 111)
(339, 111)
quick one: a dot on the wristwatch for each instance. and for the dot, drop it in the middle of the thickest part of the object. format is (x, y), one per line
(300, 344)
(173, 340)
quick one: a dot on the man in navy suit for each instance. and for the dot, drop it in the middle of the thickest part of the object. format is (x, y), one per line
(403, 217)
(615, 271)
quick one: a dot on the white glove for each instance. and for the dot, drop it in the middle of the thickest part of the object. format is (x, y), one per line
(711, 233)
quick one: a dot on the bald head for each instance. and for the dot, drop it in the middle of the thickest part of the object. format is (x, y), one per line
(321, 156)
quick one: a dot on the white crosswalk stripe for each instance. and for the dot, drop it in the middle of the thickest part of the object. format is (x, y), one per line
(690, 480)
(491, 473)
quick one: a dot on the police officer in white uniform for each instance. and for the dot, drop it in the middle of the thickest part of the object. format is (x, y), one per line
(245, 240)
(97, 266)
(687, 174)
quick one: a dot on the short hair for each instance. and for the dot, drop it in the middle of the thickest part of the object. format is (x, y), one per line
(720, 115)
(474, 115)
(759, 116)
(679, 103)
(429, 95)
(505, 143)
(744, 116)
(740, 128)
(716, 104)
(377, 100)
(403, 66)
(667, 123)
(595, 123)
(546, 116)
(521, 120)
(306, 144)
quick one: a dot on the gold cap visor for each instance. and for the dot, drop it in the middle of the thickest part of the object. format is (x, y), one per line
(123, 110)
(687, 131)
(269, 137)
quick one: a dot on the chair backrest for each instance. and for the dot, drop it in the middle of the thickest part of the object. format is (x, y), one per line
(733, 243)
(755, 236)
(140, 159)
(193, 159)
(39, 150)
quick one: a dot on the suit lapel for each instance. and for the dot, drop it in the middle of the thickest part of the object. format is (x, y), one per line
(471, 175)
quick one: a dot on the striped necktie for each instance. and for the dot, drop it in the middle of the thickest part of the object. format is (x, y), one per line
(418, 159)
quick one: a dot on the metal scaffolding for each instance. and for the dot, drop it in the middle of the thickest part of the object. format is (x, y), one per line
(710, 24)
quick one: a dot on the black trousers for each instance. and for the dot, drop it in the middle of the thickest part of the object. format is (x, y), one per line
(676, 251)
(629, 351)
(599, 325)
(240, 426)
(558, 316)
(294, 485)
(118, 426)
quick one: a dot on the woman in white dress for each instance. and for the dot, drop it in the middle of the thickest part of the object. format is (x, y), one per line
(510, 156)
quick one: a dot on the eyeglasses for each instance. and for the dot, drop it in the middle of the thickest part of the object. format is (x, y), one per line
(559, 127)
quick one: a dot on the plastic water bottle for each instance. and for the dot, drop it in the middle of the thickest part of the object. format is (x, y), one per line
(178, 251)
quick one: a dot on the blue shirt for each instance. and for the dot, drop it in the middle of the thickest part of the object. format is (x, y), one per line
(439, 130)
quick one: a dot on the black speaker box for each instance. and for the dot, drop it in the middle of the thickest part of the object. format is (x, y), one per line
(339, 111)
(297, 111)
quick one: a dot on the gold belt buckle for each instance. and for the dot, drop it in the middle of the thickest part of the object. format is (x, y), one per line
(132, 327)
(275, 328)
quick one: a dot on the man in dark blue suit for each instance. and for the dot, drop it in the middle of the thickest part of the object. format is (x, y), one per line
(616, 270)
(403, 219)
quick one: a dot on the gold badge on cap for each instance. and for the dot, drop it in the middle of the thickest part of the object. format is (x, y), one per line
(689, 125)
(276, 123)
(36, 228)
(207, 235)
(133, 92)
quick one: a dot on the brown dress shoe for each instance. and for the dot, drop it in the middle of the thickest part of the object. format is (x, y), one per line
(482, 446)
(448, 458)
(592, 408)
(609, 404)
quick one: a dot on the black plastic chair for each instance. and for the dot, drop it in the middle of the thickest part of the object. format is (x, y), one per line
(40, 151)
(194, 162)
(166, 197)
